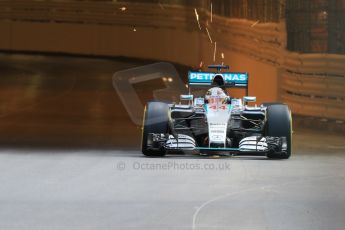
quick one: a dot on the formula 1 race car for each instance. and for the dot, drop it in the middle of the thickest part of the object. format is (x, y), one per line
(216, 123)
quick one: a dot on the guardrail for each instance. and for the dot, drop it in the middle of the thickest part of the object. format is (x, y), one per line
(312, 84)
(263, 42)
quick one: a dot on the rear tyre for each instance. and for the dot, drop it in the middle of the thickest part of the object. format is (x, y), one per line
(266, 104)
(156, 120)
(279, 124)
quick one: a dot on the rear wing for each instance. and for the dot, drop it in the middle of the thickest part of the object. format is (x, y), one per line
(231, 79)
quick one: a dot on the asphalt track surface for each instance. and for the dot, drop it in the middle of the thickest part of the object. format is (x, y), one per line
(64, 165)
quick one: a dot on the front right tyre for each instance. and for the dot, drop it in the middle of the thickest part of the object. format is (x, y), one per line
(279, 124)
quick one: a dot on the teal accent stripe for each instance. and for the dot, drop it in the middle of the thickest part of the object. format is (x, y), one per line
(205, 108)
(219, 149)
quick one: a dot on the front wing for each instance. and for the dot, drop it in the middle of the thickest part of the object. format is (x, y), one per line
(248, 145)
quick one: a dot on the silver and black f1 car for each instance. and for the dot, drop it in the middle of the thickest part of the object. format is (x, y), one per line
(213, 122)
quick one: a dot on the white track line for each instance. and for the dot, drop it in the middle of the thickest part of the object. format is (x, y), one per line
(195, 215)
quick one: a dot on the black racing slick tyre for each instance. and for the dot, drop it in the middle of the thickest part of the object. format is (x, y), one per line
(156, 120)
(279, 124)
(266, 104)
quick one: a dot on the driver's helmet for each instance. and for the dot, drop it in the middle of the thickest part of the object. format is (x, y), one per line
(216, 95)
(218, 80)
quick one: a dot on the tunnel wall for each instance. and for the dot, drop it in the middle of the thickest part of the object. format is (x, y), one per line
(170, 34)
(148, 43)
(311, 84)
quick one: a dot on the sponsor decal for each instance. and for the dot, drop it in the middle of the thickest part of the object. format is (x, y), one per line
(205, 77)
(217, 137)
(217, 124)
(216, 131)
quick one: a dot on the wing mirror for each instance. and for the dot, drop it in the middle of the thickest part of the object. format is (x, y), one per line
(199, 101)
(186, 97)
(247, 99)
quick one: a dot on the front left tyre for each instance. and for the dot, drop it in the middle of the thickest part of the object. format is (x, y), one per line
(156, 120)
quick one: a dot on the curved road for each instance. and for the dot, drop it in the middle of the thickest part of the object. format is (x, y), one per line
(62, 166)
